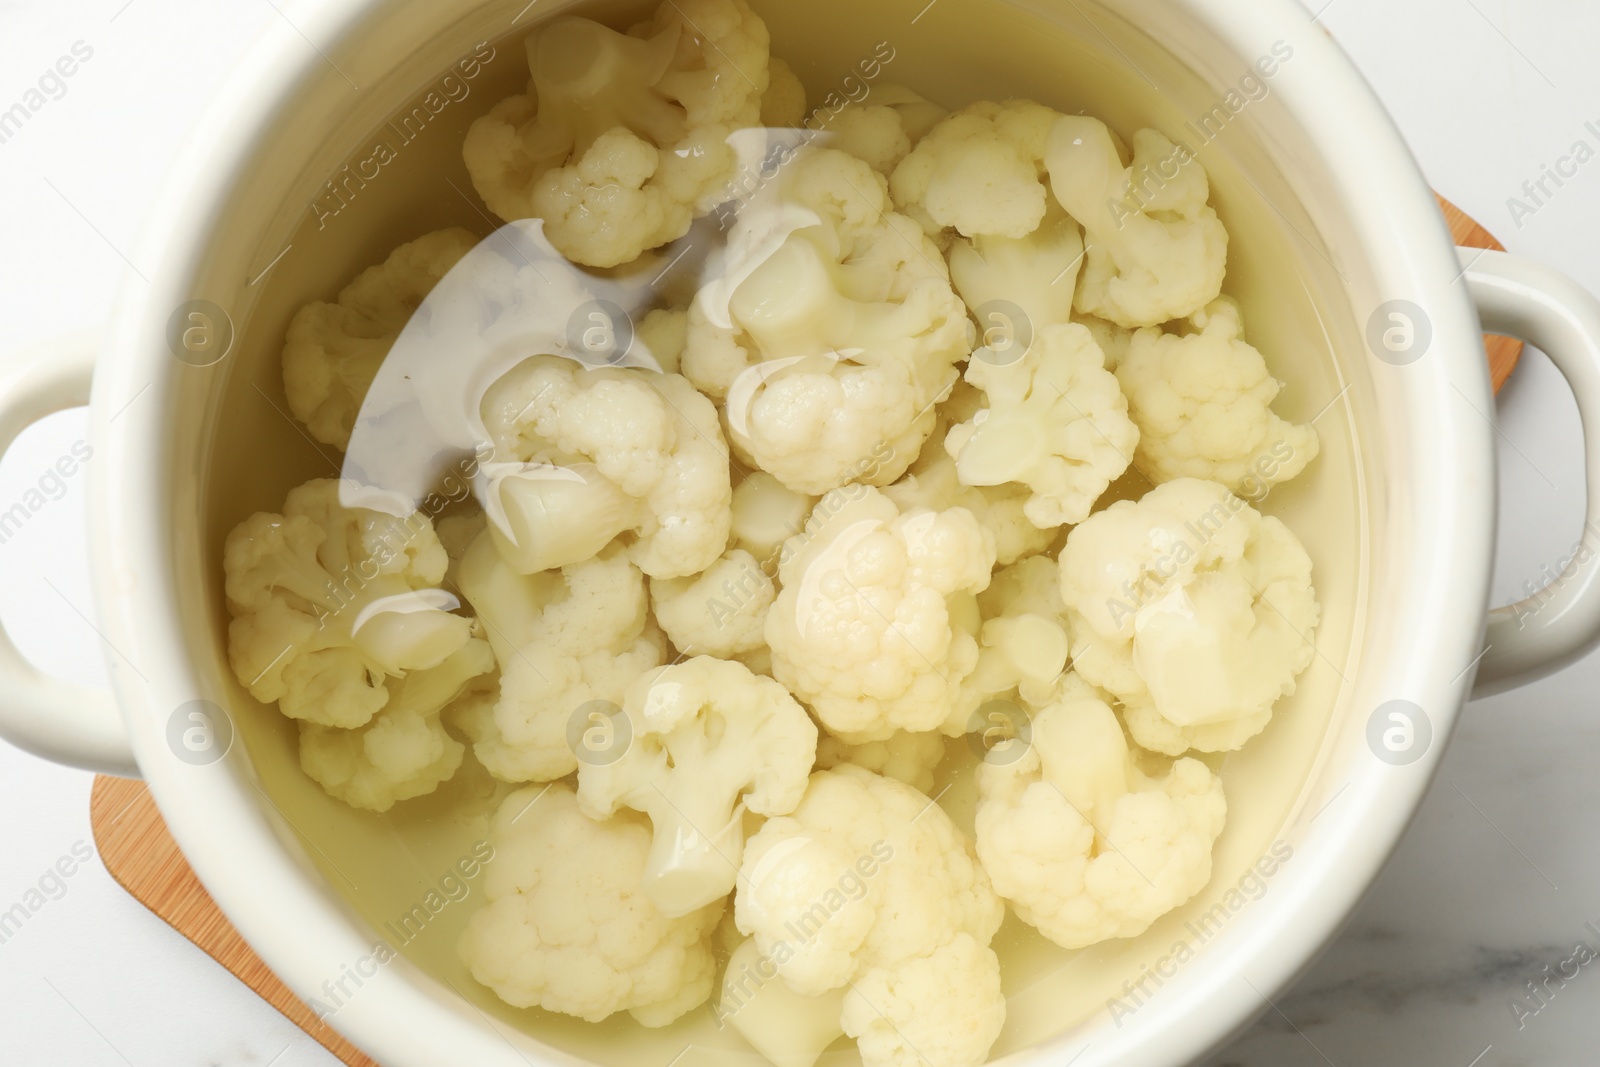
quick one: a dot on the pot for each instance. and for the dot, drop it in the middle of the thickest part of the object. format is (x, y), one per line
(1351, 285)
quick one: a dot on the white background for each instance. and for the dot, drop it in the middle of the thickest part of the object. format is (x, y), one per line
(1481, 893)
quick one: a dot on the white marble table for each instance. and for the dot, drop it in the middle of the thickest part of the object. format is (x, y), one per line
(1482, 894)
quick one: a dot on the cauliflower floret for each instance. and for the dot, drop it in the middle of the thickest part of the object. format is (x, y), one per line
(1194, 610)
(1083, 845)
(869, 884)
(567, 927)
(566, 640)
(881, 130)
(784, 102)
(979, 171)
(1113, 340)
(1022, 645)
(834, 332)
(1202, 401)
(788, 1029)
(403, 752)
(720, 612)
(948, 1004)
(330, 602)
(1154, 249)
(766, 513)
(874, 625)
(933, 483)
(1056, 421)
(621, 139)
(1030, 586)
(905, 757)
(663, 331)
(333, 351)
(1037, 273)
(707, 740)
(582, 455)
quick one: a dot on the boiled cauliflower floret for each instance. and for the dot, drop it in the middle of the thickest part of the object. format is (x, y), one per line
(567, 927)
(1202, 401)
(330, 603)
(569, 643)
(766, 513)
(869, 885)
(403, 752)
(721, 611)
(621, 139)
(788, 1029)
(333, 351)
(1113, 340)
(980, 171)
(707, 740)
(1154, 249)
(834, 332)
(1056, 421)
(663, 331)
(874, 625)
(948, 1003)
(582, 455)
(905, 757)
(881, 129)
(1036, 274)
(1194, 610)
(784, 102)
(1083, 845)
(933, 482)
(1022, 644)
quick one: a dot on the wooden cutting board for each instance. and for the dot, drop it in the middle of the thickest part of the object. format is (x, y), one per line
(1503, 351)
(143, 858)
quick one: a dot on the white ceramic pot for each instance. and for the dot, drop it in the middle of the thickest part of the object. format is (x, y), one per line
(1324, 186)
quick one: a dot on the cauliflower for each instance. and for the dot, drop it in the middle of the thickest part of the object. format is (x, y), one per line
(1029, 586)
(949, 1001)
(333, 351)
(933, 483)
(766, 513)
(869, 885)
(720, 612)
(1154, 250)
(905, 757)
(330, 602)
(707, 739)
(834, 333)
(1113, 340)
(403, 752)
(1022, 643)
(788, 1029)
(663, 332)
(567, 641)
(881, 129)
(1083, 845)
(568, 929)
(874, 625)
(1201, 400)
(583, 455)
(784, 102)
(980, 171)
(1056, 421)
(1036, 273)
(621, 139)
(1194, 610)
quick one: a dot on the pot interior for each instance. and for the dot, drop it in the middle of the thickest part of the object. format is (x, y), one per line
(1121, 63)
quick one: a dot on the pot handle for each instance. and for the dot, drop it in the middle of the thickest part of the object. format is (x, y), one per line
(1543, 633)
(72, 724)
